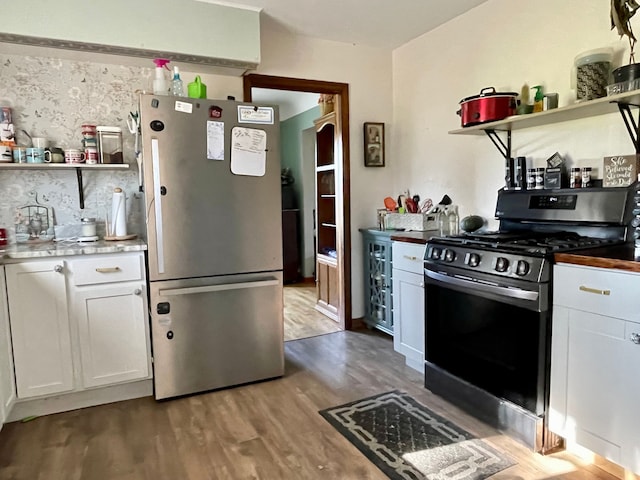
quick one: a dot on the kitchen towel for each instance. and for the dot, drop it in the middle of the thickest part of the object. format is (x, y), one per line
(118, 214)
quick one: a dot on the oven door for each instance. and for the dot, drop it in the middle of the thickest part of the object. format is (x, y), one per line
(490, 333)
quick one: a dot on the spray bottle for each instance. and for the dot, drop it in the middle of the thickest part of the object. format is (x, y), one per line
(177, 88)
(160, 83)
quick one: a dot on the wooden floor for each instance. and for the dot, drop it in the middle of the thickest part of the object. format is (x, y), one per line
(301, 319)
(269, 430)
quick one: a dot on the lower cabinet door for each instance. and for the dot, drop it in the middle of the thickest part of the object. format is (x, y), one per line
(112, 331)
(7, 379)
(40, 330)
(630, 394)
(408, 312)
(596, 384)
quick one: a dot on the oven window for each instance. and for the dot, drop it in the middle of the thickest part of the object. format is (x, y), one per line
(493, 345)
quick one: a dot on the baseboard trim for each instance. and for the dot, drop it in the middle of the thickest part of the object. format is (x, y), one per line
(75, 400)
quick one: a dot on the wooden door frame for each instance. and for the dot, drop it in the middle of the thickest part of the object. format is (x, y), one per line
(254, 80)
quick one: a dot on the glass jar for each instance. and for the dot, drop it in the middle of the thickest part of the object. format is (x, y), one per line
(453, 219)
(88, 227)
(110, 144)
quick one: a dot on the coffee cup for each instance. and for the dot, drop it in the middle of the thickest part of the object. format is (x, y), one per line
(73, 155)
(5, 154)
(91, 155)
(20, 154)
(39, 142)
(54, 155)
(35, 155)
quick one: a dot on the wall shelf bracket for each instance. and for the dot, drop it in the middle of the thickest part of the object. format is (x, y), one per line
(631, 124)
(505, 150)
(80, 188)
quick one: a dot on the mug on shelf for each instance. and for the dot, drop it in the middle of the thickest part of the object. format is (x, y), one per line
(5, 154)
(39, 142)
(20, 154)
(35, 155)
(91, 155)
(73, 155)
(54, 155)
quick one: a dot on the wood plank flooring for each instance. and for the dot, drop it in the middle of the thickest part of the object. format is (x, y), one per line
(269, 430)
(301, 319)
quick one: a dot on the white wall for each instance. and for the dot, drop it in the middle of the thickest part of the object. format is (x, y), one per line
(501, 43)
(368, 73)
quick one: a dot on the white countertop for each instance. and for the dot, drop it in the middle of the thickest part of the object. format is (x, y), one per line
(64, 248)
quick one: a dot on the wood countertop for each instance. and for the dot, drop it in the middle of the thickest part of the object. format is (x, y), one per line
(621, 257)
(414, 237)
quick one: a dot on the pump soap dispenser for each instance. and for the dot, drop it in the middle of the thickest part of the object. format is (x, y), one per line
(538, 100)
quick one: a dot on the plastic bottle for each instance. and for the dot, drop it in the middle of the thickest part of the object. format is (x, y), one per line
(538, 100)
(177, 88)
(160, 84)
(454, 219)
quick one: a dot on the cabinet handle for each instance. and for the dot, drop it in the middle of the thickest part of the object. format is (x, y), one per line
(422, 284)
(410, 258)
(107, 269)
(594, 290)
(635, 338)
(137, 291)
(58, 269)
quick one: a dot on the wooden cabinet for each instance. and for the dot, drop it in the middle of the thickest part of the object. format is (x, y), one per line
(378, 298)
(408, 302)
(329, 230)
(40, 327)
(78, 323)
(595, 362)
(7, 378)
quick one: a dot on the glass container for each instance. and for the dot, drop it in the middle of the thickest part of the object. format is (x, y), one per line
(110, 144)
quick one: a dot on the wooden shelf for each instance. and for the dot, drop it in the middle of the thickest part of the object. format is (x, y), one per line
(591, 108)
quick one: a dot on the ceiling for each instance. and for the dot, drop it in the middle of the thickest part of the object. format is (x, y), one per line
(375, 23)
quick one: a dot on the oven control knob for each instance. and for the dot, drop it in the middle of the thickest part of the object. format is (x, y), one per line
(473, 259)
(435, 253)
(522, 268)
(502, 264)
(449, 255)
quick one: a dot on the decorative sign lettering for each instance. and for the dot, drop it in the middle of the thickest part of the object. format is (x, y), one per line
(620, 171)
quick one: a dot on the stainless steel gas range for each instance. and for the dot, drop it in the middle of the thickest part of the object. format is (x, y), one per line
(488, 303)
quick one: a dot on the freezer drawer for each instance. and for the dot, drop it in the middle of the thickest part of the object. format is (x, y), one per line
(216, 332)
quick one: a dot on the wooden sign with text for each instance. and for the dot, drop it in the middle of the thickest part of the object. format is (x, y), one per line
(620, 171)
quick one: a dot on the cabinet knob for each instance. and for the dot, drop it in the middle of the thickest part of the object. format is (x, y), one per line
(635, 338)
(58, 269)
(137, 291)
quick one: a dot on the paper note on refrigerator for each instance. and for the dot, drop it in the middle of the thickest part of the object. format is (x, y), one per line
(248, 151)
(215, 140)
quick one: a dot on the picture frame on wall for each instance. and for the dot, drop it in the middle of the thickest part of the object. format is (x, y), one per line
(374, 144)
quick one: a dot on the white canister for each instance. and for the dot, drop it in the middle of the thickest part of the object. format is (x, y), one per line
(118, 214)
(88, 227)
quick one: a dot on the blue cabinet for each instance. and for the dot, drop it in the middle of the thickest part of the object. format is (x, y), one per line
(377, 263)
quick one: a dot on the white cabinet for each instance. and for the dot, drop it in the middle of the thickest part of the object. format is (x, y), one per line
(408, 302)
(595, 360)
(78, 323)
(7, 379)
(111, 330)
(40, 327)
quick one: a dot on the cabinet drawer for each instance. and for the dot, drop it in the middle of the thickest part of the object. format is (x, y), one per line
(597, 290)
(408, 256)
(106, 269)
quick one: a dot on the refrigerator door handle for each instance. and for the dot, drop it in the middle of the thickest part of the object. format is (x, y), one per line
(217, 288)
(157, 198)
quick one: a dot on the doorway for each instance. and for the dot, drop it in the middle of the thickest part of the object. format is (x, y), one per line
(341, 93)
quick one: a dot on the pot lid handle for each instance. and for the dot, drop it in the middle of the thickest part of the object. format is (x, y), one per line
(493, 90)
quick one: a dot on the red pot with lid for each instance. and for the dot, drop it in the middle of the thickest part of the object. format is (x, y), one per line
(488, 106)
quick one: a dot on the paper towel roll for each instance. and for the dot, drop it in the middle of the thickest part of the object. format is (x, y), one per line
(118, 214)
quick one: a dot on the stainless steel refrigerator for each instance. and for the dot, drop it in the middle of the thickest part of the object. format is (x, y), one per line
(212, 192)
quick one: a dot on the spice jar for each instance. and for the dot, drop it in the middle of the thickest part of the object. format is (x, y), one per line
(575, 180)
(586, 177)
(110, 144)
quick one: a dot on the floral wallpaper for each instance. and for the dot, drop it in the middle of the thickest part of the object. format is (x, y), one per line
(52, 98)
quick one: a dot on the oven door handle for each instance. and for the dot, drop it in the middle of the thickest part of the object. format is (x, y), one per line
(484, 287)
